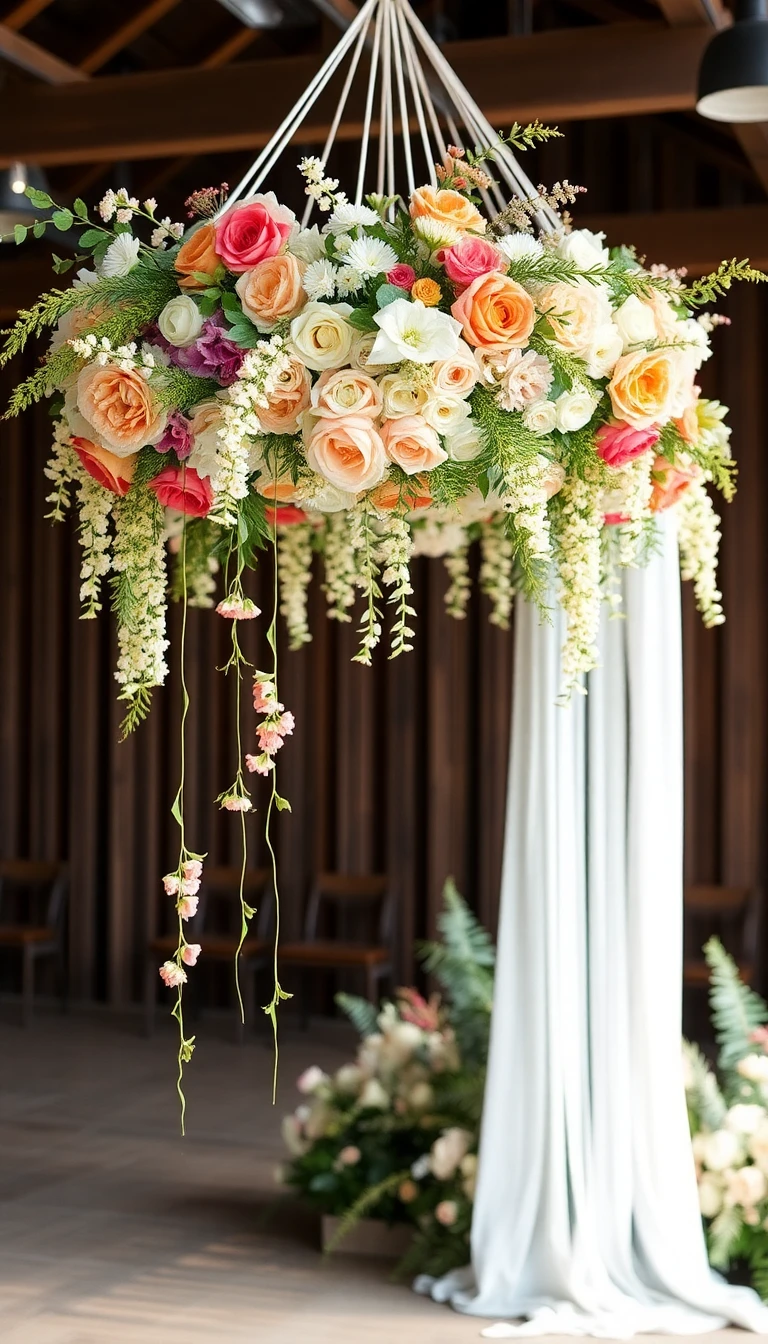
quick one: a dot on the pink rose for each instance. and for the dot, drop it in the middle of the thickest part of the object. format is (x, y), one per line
(619, 443)
(412, 444)
(350, 1156)
(446, 1212)
(469, 258)
(348, 452)
(252, 231)
(190, 952)
(172, 975)
(401, 276)
(182, 489)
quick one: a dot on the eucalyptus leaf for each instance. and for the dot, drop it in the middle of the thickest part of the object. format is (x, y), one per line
(40, 199)
(38, 228)
(91, 237)
(19, 233)
(386, 294)
(80, 208)
(63, 220)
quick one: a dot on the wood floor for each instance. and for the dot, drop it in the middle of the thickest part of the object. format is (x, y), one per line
(114, 1230)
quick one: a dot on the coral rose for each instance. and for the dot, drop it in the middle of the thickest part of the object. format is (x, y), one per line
(113, 472)
(182, 489)
(447, 207)
(272, 290)
(198, 256)
(412, 444)
(618, 444)
(252, 231)
(287, 400)
(120, 406)
(495, 312)
(670, 482)
(347, 452)
(470, 258)
(346, 392)
(644, 387)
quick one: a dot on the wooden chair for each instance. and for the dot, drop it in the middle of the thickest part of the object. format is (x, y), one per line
(351, 899)
(41, 890)
(729, 912)
(216, 926)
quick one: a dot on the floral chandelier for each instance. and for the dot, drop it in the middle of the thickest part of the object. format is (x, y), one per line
(414, 373)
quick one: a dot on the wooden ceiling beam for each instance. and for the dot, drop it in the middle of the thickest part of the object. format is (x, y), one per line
(25, 13)
(558, 76)
(126, 33)
(36, 61)
(222, 55)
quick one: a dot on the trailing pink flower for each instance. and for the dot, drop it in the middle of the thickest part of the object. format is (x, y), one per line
(171, 884)
(235, 802)
(187, 906)
(238, 609)
(190, 952)
(270, 738)
(190, 886)
(172, 975)
(260, 765)
(265, 699)
(286, 724)
(192, 868)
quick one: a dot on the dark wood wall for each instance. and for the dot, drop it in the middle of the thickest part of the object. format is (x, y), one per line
(401, 767)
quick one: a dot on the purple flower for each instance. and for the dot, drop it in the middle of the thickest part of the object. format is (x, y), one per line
(213, 355)
(176, 436)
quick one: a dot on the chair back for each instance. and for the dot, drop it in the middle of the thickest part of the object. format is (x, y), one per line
(730, 913)
(33, 892)
(354, 900)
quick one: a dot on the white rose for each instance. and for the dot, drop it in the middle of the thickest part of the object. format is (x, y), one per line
(318, 1120)
(754, 1068)
(695, 335)
(745, 1119)
(585, 249)
(359, 355)
(710, 1196)
(758, 1145)
(605, 349)
(574, 409)
(373, 1096)
(400, 1042)
(293, 1136)
(349, 1079)
(206, 444)
(311, 1080)
(745, 1187)
(444, 412)
(402, 396)
(421, 1096)
(464, 443)
(321, 335)
(541, 417)
(448, 1151)
(181, 321)
(636, 322)
(718, 1150)
(327, 498)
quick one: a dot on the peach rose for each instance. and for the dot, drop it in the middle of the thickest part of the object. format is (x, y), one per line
(113, 472)
(644, 386)
(197, 254)
(272, 290)
(688, 424)
(282, 491)
(447, 207)
(670, 482)
(288, 399)
(412, 444)
(574, 312)
(347, 452)
(345, 392)
(496, 312)
(457, 374)
(121, 407)
(390, 494)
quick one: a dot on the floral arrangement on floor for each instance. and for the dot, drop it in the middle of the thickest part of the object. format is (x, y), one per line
(729, 1121)
(395, 1133)
(406, 378)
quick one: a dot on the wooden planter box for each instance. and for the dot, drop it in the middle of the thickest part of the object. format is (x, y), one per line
(371, 1236)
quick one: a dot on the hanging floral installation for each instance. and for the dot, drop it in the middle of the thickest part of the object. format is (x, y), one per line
(411, 376)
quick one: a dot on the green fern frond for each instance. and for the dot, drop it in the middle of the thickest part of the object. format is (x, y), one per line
(705, 1100)
(714, 286)
(463, 962)
(363, 1205)
(737, 1011)
(723, 1238)
(362, 1014)
(758, 1264)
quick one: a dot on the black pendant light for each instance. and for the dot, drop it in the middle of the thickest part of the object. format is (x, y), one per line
(733, 79)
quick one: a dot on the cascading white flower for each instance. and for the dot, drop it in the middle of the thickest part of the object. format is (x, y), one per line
(412, 331)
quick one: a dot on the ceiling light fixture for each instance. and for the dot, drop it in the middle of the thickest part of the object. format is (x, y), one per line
(733, 79)
(18, 178)
(255, 13)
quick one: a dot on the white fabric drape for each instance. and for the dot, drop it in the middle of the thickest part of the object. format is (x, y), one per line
(586, 1215)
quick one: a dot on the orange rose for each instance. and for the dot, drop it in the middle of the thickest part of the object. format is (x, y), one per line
(412, 444)
(447, 207)
(496, 312)
(670, 481)
(272, 290)
(428, 291)
(286, 402)
(283, 491)
(121, 406)
(644, 387)
(113, 472)
(197, 254)
(389, 494)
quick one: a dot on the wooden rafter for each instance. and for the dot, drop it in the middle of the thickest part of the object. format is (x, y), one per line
(125, 34)
(25, 13)
(239, 41)
(572, 74)
(36, 60)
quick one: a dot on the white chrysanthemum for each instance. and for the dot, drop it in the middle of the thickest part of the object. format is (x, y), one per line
(308, 245)
(121, 256)
(320, 279)
(371, 256)
(435, 233)
(520, 246)
(413, 331)
(347, 216)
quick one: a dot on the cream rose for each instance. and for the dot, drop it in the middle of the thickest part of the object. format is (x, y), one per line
(412, 444)
(204, 428)
(719, 1150)
(120, 406)
(347, 452)
(180, 321)
(287, 400)
(346, 392)
(401, 395)
(604, 351)
(574, 312)
(710, 1196)
(574, 409)
(585, 249)
(745, 1187)
(445, 412)
(321, 335)
(272, 290)
(636, 322)
(359, 355)
(541, 417)
(457, 375)
(448, 1152)
(465, 443)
